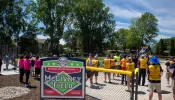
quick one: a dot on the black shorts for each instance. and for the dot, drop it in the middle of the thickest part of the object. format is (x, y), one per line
(118, 67)
(37, 71)
(89, 73)
(95, 72)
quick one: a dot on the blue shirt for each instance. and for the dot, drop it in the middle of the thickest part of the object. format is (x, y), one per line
(6, 58)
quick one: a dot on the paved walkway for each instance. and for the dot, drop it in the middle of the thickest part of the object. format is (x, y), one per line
(8, 72)
(115, 91)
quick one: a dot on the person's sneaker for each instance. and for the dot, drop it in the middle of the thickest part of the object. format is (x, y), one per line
(96, 82)
(21, 82)
(110, 82)
(91, 86)
(26, 85)
(167, 85)
(155, 90)
(105, 82)
(128, 90)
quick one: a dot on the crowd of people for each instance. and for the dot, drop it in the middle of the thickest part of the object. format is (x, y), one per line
(28, 66)
(148, 66)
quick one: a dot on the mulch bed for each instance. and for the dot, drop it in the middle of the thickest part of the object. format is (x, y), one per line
(34, 94)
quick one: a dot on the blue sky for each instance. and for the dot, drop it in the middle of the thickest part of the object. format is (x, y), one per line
(124, 10)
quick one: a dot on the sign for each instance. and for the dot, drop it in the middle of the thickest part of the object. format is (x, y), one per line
(62, 78)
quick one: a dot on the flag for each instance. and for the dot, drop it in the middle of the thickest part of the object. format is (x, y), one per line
(143, 50)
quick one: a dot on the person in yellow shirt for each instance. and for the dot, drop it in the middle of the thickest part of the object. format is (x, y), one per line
(96, 64)
(117, 63)
(107, 65)
(129, 67)
(154, 72)
(142, 63)
(123, 67)
(89, 72)
(113, 66)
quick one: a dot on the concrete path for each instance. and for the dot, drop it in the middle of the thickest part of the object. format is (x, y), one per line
(115, 91)
(8, 72)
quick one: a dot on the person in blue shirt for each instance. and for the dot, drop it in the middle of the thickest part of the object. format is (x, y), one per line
(7, 61)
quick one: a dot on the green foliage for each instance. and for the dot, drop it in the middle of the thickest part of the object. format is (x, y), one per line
(53, 14)
(122, 38)
(72, 38)
(145, 28)
(28, 44)
(157, 49)
(162, 46)
(172, 47)
(95, 23)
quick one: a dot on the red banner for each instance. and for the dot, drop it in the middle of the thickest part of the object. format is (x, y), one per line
(65, 69)
(51, 92)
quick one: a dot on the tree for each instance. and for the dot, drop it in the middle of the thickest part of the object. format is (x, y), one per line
(162, 46)
(95, 23)
(71, 38)
(28, 44)
(5, 36)
(53, 14)
(145, 28)
(172, 47)
(122, 38)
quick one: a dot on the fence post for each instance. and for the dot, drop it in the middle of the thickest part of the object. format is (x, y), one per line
(132, 86)
(136, 89)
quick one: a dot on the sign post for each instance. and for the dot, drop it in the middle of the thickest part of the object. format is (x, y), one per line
(62, 78)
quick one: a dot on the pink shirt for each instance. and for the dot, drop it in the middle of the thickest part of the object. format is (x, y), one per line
(21, 63)
(26, 64)
(37, 63)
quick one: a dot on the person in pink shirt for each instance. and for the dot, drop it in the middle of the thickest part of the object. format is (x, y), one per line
(27, 70)
(37, 67)
(21, 69)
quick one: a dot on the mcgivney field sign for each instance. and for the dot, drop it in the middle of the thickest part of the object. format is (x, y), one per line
(62, 78)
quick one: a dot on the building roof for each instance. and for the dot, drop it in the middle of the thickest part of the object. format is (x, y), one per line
(41, 40)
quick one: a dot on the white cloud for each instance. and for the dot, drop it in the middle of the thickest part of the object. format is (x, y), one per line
(162, 30)
(121, 25)
(161, 36)
(126, 13)
(166, 21)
